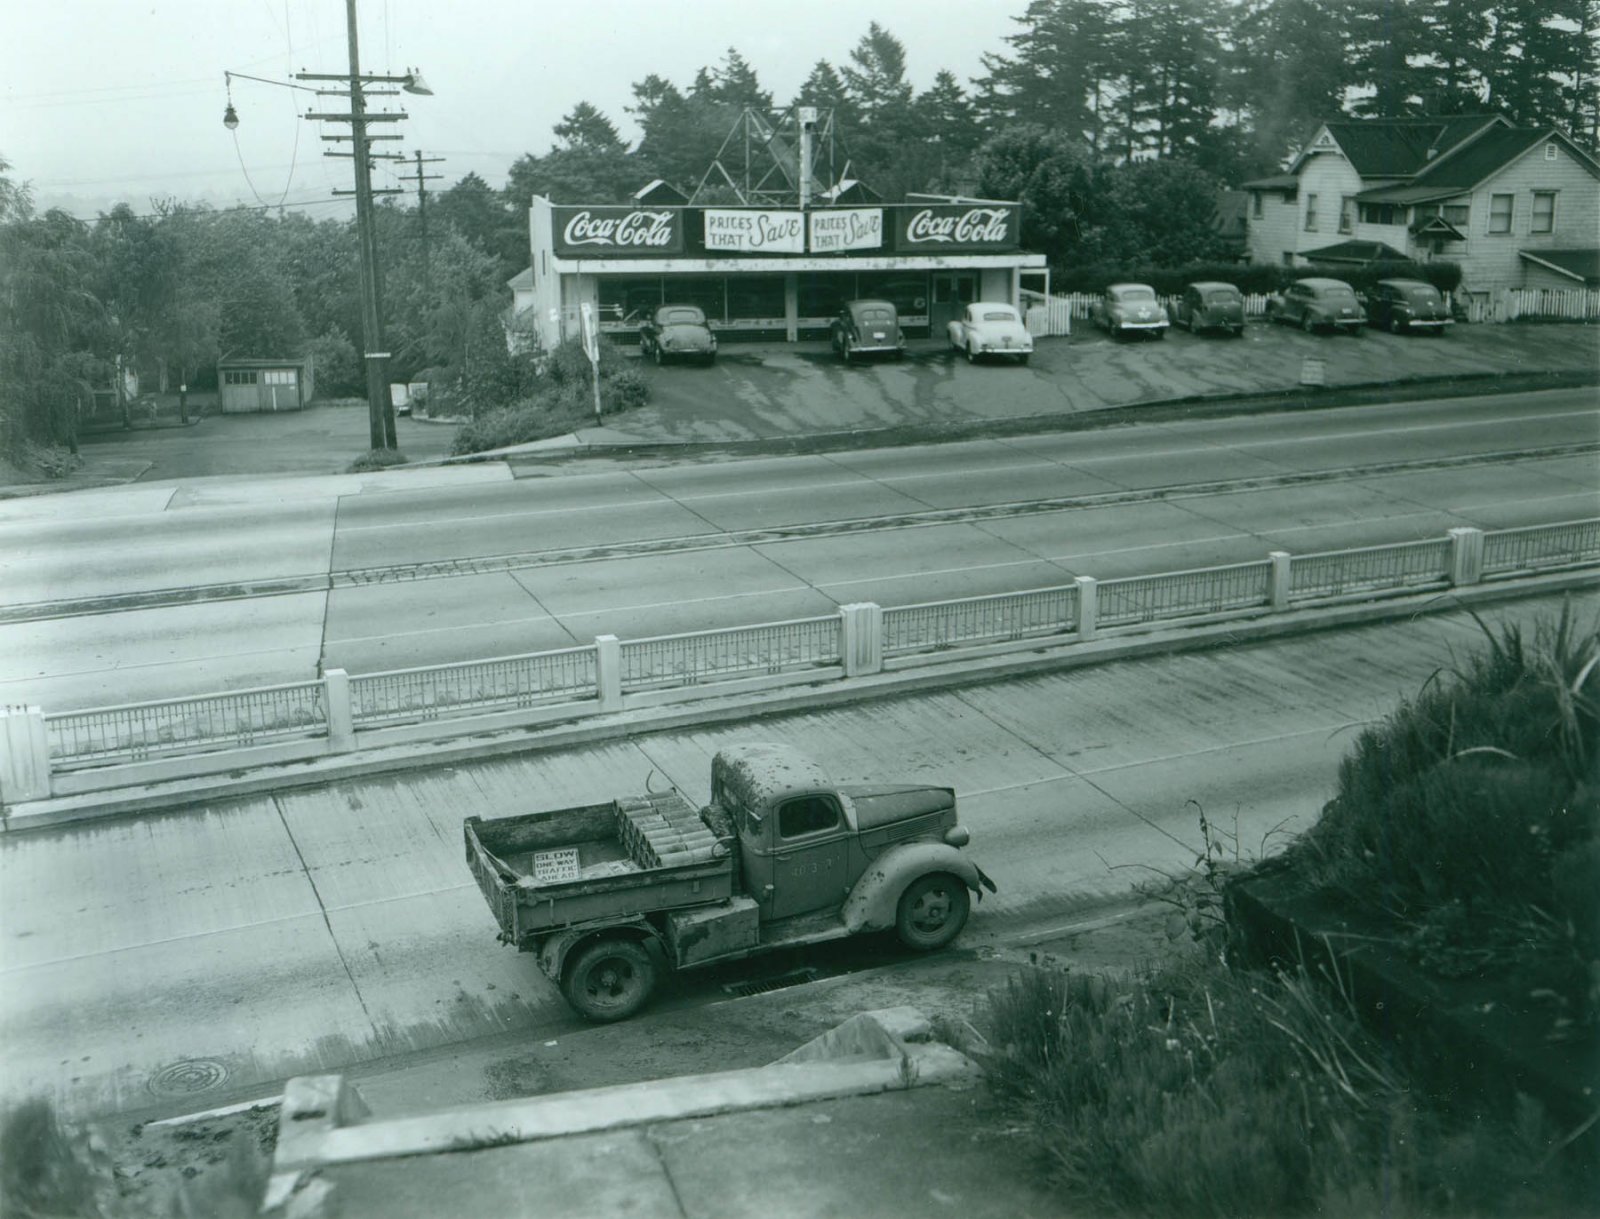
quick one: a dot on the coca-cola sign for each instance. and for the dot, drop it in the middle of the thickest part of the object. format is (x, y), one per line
(594, 232)
(940, 227)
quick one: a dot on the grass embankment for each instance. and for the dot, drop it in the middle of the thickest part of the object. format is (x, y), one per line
(1467, 820)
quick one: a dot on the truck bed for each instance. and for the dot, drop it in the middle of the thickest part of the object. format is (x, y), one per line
(543, 871)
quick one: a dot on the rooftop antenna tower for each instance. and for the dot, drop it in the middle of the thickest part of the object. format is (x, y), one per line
(773, 157)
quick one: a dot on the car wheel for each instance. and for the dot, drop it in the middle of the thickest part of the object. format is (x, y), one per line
(932, 911)
(711, 359)
(1394, 324)
(972, 356)
(609, 980)
(1238, 332)
(1160, 334)
(845, 353)
(1307, 324)
(1023, 360)
(660, 359)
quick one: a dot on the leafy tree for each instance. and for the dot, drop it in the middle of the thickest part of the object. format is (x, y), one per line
(584, 127)
(681, 134)
(474, 210)
(1159, 213)
(1049, 173)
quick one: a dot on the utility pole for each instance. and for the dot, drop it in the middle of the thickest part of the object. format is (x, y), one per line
(421, 179)
(380, 408)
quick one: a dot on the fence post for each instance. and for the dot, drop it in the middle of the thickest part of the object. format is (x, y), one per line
(1278, 598)
(1087, 605)
(24, 755)
(1466, 556)
(341, 718)
(861, 645)
(608, 671)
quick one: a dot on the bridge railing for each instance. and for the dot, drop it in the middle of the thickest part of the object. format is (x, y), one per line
(43, 754)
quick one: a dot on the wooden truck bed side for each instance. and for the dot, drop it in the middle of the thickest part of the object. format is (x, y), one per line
(622, 859)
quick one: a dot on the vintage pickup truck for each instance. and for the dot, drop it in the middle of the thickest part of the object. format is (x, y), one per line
(780, 857)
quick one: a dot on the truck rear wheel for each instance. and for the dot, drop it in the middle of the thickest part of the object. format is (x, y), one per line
(932, 912)
(609, 979)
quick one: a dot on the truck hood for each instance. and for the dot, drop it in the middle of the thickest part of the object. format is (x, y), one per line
(886, 804)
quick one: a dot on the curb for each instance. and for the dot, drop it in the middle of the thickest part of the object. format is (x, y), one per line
(1013, 661)
(324, 1121)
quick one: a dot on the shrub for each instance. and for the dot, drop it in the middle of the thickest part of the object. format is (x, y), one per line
(1471, 814)
(626, 390)
(1199, 1091)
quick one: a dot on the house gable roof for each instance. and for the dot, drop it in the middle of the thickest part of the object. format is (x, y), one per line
(522, 279)
(1397, 148)
(1358, 252)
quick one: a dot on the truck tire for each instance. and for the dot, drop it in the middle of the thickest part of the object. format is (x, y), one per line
(932, 911)
(609, 979)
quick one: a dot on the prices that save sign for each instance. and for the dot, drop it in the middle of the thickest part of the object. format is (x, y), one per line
(846, 228)
(755, 232)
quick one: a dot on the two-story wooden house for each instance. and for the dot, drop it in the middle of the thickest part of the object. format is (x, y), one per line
(1508, 203)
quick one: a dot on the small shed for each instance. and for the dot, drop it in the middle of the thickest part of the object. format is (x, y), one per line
(245, 386)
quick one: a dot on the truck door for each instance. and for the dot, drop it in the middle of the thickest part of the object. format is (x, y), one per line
(809, 848)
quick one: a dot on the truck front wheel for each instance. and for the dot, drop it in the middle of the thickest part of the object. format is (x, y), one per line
(933, 909)
(609, 980)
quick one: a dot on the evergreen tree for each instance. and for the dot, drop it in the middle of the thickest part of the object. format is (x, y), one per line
(1060, 72)
(1290, 69)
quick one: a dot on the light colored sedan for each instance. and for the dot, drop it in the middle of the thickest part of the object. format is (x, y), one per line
(990, 329)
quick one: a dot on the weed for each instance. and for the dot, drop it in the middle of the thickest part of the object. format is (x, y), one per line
(375, 459)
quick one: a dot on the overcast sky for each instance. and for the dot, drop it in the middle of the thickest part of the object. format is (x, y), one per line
(106, 100)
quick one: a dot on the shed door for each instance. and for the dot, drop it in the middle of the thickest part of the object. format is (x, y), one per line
(239, 390)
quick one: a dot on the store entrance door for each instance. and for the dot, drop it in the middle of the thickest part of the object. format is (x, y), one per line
(953, 291)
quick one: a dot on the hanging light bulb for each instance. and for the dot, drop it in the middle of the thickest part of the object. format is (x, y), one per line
(230, 117)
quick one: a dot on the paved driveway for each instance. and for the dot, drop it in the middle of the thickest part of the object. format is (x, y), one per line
(772, 391)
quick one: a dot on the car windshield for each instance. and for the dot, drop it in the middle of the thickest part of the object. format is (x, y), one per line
(1423, 296)
(682, 317)
(1135, 294)
(1222, 296)
(999, 315)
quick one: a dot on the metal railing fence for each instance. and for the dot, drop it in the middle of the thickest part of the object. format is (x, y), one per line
(976, 620)
(1538, 546)
(1180, 594)
(746, 651)
(135, 731)
(474, 686)
(1402, 565)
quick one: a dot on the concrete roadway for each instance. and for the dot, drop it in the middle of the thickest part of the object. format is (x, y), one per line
(151, 592)
(251, 939)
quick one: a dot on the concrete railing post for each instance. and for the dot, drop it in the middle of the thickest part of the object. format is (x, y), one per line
(341, 717)
(608, 671)
(1278, 595)
(861, 645)
(1466, 556)
(24, 755)
(1088, 602)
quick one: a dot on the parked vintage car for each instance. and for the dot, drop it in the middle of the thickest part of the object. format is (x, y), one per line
(867, 327)
(1130, 309)
(988, 328)
(1211, 305)
(1318, 304)
(677, 332)
(1407, 305)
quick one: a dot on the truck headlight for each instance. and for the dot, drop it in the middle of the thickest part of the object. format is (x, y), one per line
(957, 836)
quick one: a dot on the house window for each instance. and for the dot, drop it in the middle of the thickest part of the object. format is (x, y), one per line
(1347, 209)
(1458, 214)
(1382, 213)
(1255, 204)
(1500, 213)
(1544, 212)
(1288, 258)
(1311, 213)
(278, 376)
(1549, 152)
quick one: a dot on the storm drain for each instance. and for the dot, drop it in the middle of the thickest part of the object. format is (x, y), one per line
(188, 1077)
(764, 986)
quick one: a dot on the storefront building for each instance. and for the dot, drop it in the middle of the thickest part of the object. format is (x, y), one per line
(770, 273)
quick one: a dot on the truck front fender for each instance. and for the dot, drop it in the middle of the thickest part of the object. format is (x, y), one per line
(874, 902)
(554, 949)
